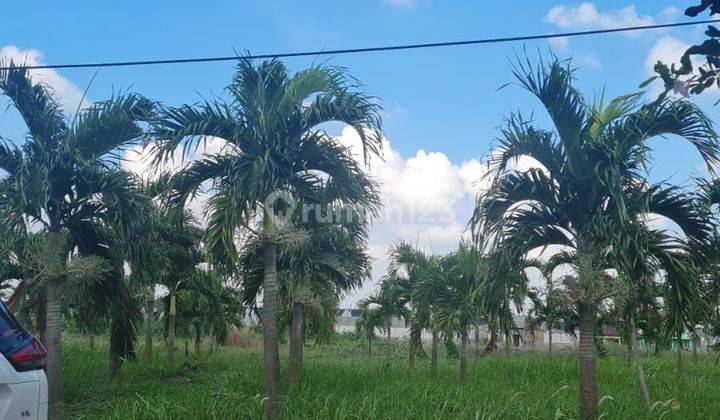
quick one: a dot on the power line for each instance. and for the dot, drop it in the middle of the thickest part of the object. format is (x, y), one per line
(368, 49)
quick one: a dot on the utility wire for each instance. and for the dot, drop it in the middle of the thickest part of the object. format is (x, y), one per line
(365, 50)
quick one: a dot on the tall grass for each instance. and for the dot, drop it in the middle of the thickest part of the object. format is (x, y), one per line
(339, 381)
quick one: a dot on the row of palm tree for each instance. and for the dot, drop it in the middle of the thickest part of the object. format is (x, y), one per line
(587, 200)
(74, 221)
(66, 192)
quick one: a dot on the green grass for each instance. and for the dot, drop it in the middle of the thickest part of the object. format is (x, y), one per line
(340, 382)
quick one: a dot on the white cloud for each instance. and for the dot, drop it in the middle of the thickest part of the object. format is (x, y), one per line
(427, 200)
(402, 4)
(669, 14)
(69, 94)
(666, 49)
(139, 161)
(669, 50)
(586, 16)
(590, 60)
(560, 44)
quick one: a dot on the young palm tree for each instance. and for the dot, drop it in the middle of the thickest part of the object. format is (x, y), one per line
(548, 303)
(455, 288)
(390, 302)
(368, 322)
(182, 252)
(503, 286)
(275, 152)
(65, 179)
(314, 273)
(225, 308)
(577, 198)
(206, 306)
(412, 264)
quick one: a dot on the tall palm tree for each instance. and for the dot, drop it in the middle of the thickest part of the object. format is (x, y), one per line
(65, 180)
(275, 152)
(576, 198)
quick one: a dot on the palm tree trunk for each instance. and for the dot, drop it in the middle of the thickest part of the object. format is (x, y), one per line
(434, 354)
(369, 346)
(187, 347)
(508, 337)
(269, 322)
(588, 384)
(492, 343)
(171, 330)
(389, 344)
(463, 356)
(638, 364)
(198, 337)
(92, 341)
(53, 336)
(550, 339)
(116, 345)
(149, 317)
(296, 344)
(41, 316)
(679, 362)
(411, 351)
(476, 351)
(509, 321)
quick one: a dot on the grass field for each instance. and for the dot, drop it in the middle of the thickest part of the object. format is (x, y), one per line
(339, 381)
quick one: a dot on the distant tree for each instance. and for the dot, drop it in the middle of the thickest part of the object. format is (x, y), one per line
(368, 322)
(388, 303)
(456, 290)
(207, 306)
(181, 248)
(414, 266)
(548, 302)
(502, 288)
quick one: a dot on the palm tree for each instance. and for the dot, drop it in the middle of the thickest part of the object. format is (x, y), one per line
(368, 322)
(388, 303)
(548, 302)
(225, 306)
(65, 180)
(206, 306)
(416, 269)
(412, 264)
(455, 288)
(182, 252)
(275, 152)
(326, 261)
(503, 286)
(576, 198)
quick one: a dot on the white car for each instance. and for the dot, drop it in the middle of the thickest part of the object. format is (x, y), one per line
(23, 385)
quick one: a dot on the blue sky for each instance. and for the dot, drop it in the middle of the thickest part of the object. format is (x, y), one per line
(443, 105)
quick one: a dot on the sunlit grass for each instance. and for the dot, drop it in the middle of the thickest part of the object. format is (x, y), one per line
(340, 382)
